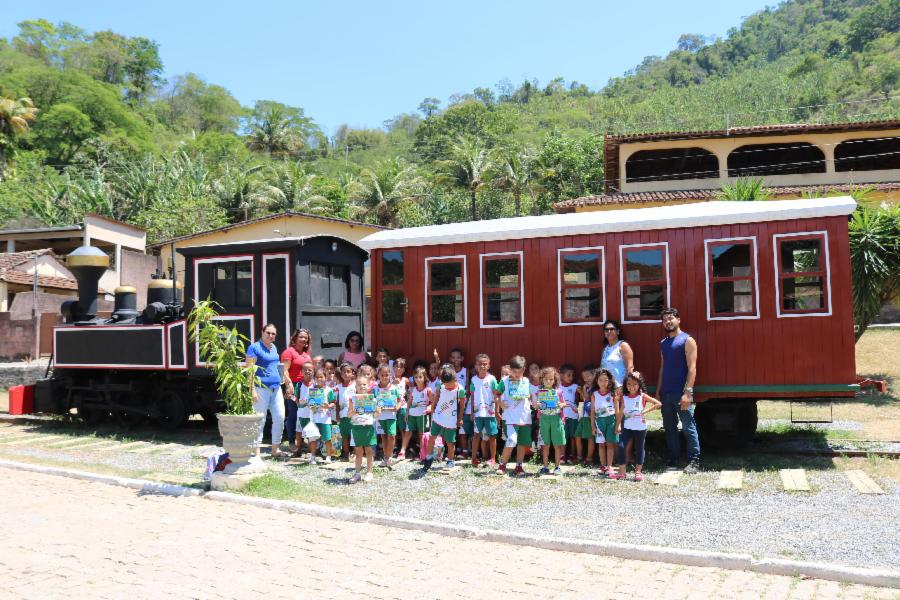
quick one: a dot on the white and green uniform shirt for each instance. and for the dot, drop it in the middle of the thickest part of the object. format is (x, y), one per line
(604, 406)
(569, 393)
(447, 409)
(516, 401)
(302, 401)
(633, 407)
(344, 396)
(402, 385)
(481, 392)
(420, 401)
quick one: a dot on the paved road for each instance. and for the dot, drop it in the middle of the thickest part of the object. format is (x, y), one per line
(64, 538)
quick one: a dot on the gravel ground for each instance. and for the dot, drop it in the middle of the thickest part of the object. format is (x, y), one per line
(832, 523)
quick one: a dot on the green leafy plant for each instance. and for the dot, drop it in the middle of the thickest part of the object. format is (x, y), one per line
(745, 190)
(874, 260)
(224, 351)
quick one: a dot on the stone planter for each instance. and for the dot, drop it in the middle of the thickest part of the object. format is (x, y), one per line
(239, 440)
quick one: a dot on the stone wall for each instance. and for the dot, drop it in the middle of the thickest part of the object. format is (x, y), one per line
(136, 270)
(17, 337)
(12, 374)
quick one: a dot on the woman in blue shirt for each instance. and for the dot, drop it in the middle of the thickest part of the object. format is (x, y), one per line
(618, 356)
(266, 391)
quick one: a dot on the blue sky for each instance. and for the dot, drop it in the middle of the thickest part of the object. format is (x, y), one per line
(362, 62)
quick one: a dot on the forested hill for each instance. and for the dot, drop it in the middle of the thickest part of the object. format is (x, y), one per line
(89, 124)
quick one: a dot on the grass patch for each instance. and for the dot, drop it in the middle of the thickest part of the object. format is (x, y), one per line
(272, 485)
(878, 354)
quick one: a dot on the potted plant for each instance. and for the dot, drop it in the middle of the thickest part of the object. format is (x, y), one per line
(224, 350)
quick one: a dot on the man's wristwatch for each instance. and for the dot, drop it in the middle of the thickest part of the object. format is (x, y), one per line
(689, 391)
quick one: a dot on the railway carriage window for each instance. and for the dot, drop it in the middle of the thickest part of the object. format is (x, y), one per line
(501, 289)
(731, 277)
(802, 274)
(646, 272)
(329, 285)
(233, 283)
(581, 286)
(446, 292)
(392, 296)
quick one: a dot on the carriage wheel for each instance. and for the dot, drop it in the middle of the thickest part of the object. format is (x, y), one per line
(170, 409)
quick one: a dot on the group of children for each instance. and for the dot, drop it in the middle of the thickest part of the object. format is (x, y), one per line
(443, 407)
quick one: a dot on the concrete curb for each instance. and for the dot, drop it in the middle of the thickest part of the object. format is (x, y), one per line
(693, 558)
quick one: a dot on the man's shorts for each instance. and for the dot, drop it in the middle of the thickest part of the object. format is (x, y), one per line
(448, 433)
(552, 431)
(363, 435)
(486, 426)
(389, 426)
(518, 435)
(584, 430)
(416, 424)
(606, 426)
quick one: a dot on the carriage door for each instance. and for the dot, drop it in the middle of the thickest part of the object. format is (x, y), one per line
(394, 321)
(332, 305)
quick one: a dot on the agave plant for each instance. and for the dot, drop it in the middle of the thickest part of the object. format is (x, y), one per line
(744, 190)
(874, 260)
(224, 351)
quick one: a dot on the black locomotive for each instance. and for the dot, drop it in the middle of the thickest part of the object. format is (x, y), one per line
(141, 364)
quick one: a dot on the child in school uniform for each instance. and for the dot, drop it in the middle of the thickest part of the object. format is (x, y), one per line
(457, 359)
(320, 400)
(345, 389)
(585, 431)
(388, 397)
(301, 392)
(515, 404)
(419, 398)
(570, 391)
(635, 404)
(483, 389)
(550, 403)
(363, 410)
(434, 376)
(446, 410)
(606, 417)
(402, 385)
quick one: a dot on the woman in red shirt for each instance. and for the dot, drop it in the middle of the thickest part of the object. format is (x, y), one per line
(293, 359)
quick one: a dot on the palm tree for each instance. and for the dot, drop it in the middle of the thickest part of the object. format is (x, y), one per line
(468, 166)
(238, 189)
(272, 133)
(514, 171)
(384, 187)
(290, 187)
(15, 117)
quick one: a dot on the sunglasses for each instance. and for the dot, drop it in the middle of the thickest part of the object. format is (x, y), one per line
(609, 329)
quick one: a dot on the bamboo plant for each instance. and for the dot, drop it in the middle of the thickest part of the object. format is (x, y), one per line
(224, 351)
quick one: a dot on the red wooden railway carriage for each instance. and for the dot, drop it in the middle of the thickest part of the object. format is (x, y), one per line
(764, 288)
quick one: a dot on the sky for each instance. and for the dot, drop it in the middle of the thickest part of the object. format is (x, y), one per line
(363, 62)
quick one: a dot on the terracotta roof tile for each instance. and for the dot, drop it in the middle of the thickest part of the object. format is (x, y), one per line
(22, 278)
(783, 128)
(675, 195)
(14, 259)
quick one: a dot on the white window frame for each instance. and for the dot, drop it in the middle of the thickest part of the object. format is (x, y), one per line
(465, 292)
(287, 291)
(777, 266)
(559, 288)
(226, 317)
(622, 284)
(226, 259)
(709, 314)
(521, 258)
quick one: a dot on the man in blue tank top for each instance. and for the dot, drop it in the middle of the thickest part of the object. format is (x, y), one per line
(675, 388)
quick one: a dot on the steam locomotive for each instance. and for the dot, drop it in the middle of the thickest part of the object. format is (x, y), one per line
(140, 364)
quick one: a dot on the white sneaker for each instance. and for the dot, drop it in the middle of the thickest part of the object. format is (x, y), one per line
(313, 460)
(356, 478)
(327, 460)
(368, 477)
(385, 463)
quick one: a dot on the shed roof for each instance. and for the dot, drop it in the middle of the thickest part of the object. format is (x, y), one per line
(713, 213)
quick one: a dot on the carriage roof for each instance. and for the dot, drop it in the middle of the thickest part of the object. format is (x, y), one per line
(701, 214)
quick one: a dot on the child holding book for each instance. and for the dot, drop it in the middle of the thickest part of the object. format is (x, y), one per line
(388, 398)
(515, 404)
(364, 410)
(345, 390)
(550, 402)
(320, 400)
(570, 392)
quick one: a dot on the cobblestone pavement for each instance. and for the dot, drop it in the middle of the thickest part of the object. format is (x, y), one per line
(65, 538)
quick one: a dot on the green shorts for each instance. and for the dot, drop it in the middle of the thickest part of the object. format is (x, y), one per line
(468, 425)
(401, 420)
(344, 426)
(389, 426)
(584, 430)
(416, 424)
(363, 435)
(518, 435)
(449, 434)
(301, 423)
(606, 426)
(485, 426)
(324, 431)
(571, 428)
(552, 431)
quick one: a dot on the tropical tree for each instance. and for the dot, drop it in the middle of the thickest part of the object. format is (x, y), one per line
(383, 188)
(874, 260)
(514, 171)
(468, 166)
(238, 189)
(15, 117)
(290, 186)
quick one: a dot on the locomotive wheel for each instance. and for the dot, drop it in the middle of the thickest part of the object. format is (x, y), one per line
(726, 423)
(92, 416)
(129, 419)
(170, 409)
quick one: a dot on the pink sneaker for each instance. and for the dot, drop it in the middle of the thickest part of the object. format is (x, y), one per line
(638, 476)
(617, 476)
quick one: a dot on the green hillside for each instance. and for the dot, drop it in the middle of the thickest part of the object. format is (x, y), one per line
(87, 123)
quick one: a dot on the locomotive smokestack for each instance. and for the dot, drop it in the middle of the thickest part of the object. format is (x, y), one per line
(87, 264)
